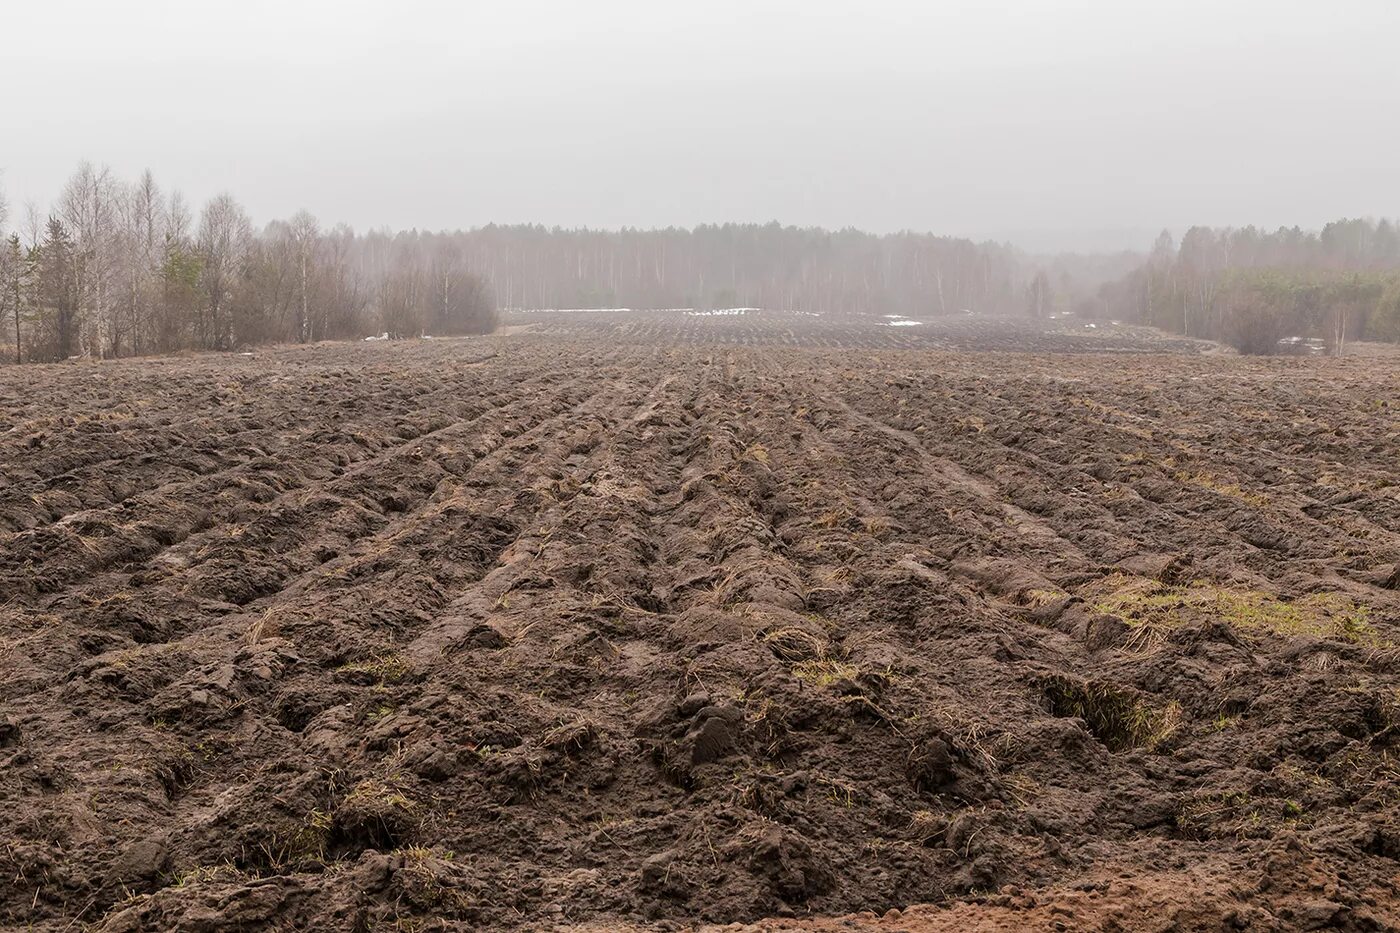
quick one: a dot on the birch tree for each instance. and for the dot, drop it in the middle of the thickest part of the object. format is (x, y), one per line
(142, 235)
(224, 235)
(88, 206)
(305, 235)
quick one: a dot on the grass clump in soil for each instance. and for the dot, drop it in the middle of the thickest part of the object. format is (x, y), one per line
(298, 847)
(1238, 815)
(1154, 606)
(1223, 487)
(429, 881)
(1118, 717)
(387, 668)
(825, 672)
(795, 644)
(374, 814)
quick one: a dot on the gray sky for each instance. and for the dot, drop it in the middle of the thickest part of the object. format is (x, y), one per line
(1081, 124)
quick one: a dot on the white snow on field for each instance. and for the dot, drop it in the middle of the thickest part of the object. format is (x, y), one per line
(904, 323)
(569, 310)
(692, 311)
(893, 317)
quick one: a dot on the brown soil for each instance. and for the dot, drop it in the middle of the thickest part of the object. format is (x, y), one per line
(619, 633)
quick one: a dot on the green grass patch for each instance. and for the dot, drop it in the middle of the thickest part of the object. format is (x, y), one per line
(1147, 603)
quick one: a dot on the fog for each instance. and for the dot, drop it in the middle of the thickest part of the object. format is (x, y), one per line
(1067, 125)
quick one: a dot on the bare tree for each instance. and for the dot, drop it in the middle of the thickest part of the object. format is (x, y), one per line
(1039, 297)
(177, 218)
(340, 313)
(401, 302)
(13, 278)
(404, 291)
(143, 223)
(1200, 261)
(1350, 300)
(224, 235)
(89, 207)
(305, 234)
(10, 258)
(33, 224)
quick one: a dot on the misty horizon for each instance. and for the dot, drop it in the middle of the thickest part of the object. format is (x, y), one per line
(1034, 243)
(1089, 128)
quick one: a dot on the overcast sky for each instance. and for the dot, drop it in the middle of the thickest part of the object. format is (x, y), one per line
(1082, 124)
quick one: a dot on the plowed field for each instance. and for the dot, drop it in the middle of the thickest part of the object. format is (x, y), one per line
(606, 630)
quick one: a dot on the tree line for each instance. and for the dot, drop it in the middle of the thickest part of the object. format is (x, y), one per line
(120, 269)
(117, 269)
(1251, 288)
(744, 265)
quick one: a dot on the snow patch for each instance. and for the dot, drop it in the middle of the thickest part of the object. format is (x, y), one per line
(570, 310)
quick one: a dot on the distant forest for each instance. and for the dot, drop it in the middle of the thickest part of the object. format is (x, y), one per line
(117, 269)
(1250, 288)
(743, 265)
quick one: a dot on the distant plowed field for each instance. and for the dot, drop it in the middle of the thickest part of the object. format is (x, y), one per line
(613, 631)
(775, 329)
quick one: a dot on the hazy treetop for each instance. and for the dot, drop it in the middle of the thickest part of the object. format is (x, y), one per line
(1075, 124)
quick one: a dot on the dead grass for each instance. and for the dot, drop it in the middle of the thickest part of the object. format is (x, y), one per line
(426, 882)
(299, 847)
(265, 626)
(877, 526)
(757, 453)
(824, 672)
(1215, 484)
(386, 668)
(1037, 598)
(378, 792)
(1119, 718)
(795, 645)
(205, 874)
